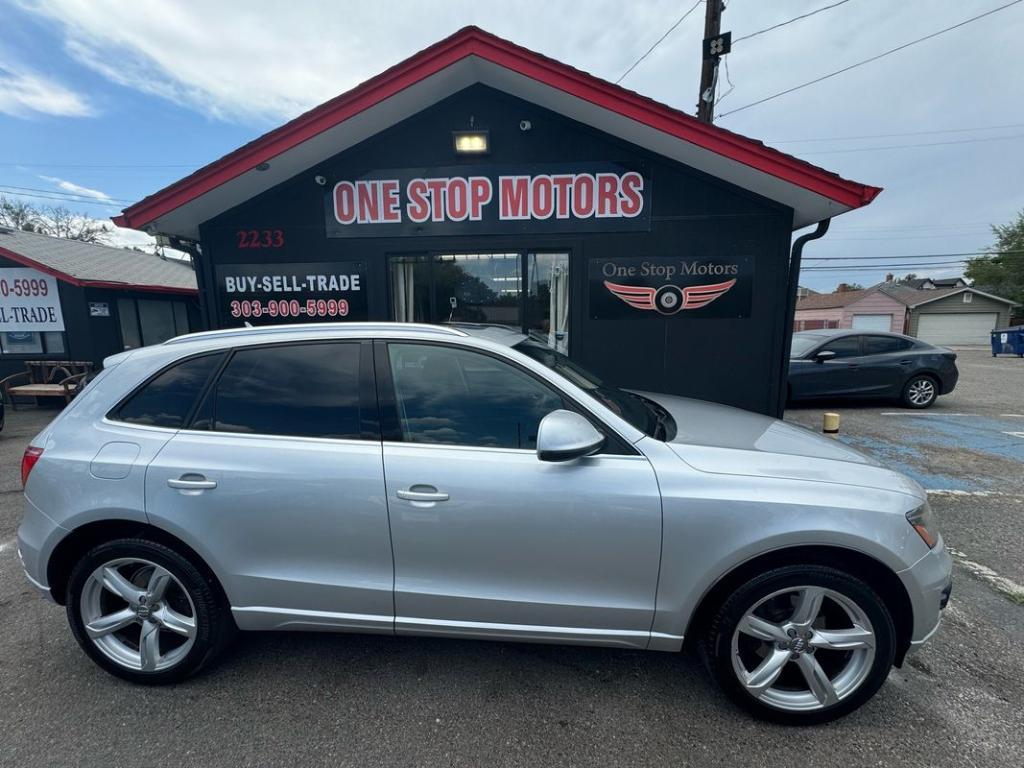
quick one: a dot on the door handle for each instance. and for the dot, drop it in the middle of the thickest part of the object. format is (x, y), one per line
(422, 495)
(192, 483)
(906, 362)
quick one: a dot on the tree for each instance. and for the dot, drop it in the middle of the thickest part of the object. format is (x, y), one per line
(1001, 270)
(63, 222)
(19, 215)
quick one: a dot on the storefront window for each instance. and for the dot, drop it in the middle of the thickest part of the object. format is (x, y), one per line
(150, 321)
(478, 288)
(29, 343)
(547, 304)
(485, 288)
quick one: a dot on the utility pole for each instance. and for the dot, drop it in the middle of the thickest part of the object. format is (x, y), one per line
(715, 44)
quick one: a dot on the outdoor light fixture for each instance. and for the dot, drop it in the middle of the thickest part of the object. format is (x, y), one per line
(471, 142)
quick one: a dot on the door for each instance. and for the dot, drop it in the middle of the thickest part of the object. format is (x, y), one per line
(838, 376)
(489, 541)
(279, 484)
(953, 329)
(885, 364)
(872, 322)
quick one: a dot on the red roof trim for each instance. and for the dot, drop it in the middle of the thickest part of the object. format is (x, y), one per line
(65, 277)
(472, 41)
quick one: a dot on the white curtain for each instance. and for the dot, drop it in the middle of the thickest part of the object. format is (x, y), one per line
(402, 288)
(558, 309)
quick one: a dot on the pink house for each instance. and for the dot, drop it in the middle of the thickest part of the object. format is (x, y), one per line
(870, 309)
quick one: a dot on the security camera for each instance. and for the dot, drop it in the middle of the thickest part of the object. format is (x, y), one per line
(321, 180)
(525, 125)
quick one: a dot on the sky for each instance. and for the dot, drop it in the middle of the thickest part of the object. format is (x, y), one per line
(103, 101)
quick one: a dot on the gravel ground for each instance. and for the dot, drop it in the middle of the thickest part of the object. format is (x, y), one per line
(359, 700)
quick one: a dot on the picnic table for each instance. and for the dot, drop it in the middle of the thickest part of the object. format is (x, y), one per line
(47, 378)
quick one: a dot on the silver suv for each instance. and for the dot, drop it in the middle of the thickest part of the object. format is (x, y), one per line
(467, 482)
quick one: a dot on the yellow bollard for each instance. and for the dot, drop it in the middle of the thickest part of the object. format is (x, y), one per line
(830, 424)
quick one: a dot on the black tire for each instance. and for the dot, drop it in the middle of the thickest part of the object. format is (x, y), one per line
(214, 625)
(717, 648)
(905, 397)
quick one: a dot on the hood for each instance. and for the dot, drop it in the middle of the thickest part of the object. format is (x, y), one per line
(725, 440)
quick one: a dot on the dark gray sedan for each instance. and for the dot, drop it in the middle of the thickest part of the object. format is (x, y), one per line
(848, 363)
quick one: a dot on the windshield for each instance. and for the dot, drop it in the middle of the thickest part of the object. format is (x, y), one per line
(646, 415)
(803, 344)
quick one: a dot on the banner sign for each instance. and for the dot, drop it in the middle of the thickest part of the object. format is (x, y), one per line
(270, 294)
(490, 200)
(665, 287)
(29, 301)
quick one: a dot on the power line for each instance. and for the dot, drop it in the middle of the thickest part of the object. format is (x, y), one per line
(97, 165)
(67, 194)
(61, 198)
(891, 135)
(912, 146)
(869, 60)
(897, 257)
(790, 21)
(661, 39)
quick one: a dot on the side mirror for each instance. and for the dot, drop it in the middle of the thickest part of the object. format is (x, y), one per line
(825, 354)
(564, 435)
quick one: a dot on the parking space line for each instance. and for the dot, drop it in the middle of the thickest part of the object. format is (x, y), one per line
(922, 413)
(1006, 586)
(7, 545)
(1012, 415)
(1014, 434)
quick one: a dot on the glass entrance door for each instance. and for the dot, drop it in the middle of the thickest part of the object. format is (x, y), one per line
(527, 291)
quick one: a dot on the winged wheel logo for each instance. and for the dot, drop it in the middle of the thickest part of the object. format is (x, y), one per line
(669, 299)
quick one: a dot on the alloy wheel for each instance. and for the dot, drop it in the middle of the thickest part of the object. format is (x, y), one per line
(803, 648)
(138, 614)
(921, 392)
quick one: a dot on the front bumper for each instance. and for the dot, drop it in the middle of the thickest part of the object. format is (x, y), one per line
(928, 582)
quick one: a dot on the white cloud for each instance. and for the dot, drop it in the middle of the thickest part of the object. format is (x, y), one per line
(260, 62)
(76, 189)
(24, 93)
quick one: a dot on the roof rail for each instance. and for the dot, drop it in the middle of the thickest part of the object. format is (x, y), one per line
(299, 328)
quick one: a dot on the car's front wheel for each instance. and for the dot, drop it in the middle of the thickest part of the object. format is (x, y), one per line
(801, 644)
(920, 392)
(144, 612)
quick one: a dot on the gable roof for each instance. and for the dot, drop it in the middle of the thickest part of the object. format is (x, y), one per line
(938, 282)
(926, 297)
(904, 294)
(472, 56)
(96, 266)
(833, 300)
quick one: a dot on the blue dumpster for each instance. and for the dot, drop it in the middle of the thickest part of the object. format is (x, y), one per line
(1008, 341)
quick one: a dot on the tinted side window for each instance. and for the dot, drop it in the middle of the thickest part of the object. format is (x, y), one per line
(457, 397)
(167, 399)
(847, 346)
(879, 345)
(304, 390)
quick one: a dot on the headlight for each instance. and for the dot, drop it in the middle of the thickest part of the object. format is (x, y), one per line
(921, 520)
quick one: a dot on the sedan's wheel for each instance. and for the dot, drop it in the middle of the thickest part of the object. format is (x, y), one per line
(920, 392)
(802, 644)
(144, 612)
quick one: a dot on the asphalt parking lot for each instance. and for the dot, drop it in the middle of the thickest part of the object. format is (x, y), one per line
(308, 699)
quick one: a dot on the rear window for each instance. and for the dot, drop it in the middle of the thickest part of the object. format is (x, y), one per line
(879, 345)
(167, 399)
(301, 390)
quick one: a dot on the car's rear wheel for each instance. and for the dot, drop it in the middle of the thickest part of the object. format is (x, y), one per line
(801, 644)
(920, 392)
(145, 613)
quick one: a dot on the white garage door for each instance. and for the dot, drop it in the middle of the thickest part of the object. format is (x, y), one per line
(960, 328)
(872, 322)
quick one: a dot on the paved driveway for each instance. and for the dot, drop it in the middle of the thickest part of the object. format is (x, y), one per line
(357, 700)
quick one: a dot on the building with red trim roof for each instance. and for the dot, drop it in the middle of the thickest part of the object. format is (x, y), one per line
(478, 181)
(68, 300)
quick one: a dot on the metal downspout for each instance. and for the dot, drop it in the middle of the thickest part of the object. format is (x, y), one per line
(795, 255)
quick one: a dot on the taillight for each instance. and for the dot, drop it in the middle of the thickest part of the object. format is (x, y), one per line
(28, 460)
